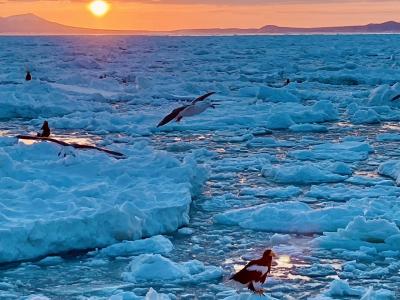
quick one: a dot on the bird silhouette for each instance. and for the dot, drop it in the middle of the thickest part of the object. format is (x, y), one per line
(196, 107)
(28, 76)
(45, 130)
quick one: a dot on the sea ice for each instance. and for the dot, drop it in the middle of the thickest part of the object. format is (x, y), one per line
(156, 245)
(284, 192)
(53, 204)
(156, 268)
(315, 270)
(365, 116)
(348, 151)
(340, 288)
(391, 169)
(388, 137)
(380, 234)
(289, 217)
(380, 294)
(306, 173)
(384, 95)
(151, 295)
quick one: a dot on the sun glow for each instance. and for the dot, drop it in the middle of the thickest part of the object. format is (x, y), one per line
(99, 7)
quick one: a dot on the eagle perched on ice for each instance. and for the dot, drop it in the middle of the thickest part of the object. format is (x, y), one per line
(254, 274)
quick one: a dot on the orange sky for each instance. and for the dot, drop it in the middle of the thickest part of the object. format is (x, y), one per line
(175, 14)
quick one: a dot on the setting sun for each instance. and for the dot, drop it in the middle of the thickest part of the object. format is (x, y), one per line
(99, 7)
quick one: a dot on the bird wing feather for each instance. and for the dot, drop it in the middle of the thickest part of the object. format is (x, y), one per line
(396, 98)
(248, 273)
(171, 116)
(201, 98)
(244, 276)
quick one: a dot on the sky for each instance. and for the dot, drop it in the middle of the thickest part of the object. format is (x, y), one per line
(179, 14)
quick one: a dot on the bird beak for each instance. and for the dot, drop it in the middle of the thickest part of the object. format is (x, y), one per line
(273, 254)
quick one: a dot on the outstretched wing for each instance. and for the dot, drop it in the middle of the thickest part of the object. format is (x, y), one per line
(171, 116)
(396, 98)
(201, 98)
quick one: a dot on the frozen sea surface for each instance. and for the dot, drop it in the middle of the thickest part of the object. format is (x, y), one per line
(310, 169)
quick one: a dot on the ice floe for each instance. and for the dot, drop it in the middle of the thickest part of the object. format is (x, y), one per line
(156, 245)
(384, 95)
(151, 295)
(306, 173)
(380, 234)
(53, 204)
(347, 151)
(290, 217)
(156, 268)
(391, 169)
(341, 288)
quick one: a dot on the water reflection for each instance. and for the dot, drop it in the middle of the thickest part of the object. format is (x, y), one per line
(284, 261)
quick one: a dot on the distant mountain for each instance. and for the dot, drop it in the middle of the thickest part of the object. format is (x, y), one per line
(30, 24)
(387, 27)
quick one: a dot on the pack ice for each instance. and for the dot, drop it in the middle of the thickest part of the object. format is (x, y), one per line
(52, 204)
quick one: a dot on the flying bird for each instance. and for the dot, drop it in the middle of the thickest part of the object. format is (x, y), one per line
(45, 130)
(196, 107)
(254, 274)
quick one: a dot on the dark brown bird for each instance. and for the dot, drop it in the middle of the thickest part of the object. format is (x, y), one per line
(28, 76)
(254, 274)
(45, 130)
(196, 107)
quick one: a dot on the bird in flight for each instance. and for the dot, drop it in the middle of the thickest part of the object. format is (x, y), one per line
(196, 107)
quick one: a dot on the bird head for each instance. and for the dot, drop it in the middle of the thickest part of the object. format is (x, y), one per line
(45, 125)
(269, 253)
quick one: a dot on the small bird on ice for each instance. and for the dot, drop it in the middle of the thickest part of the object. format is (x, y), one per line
(196, 107)
(254, 274)
(45, 130)
(28, 76)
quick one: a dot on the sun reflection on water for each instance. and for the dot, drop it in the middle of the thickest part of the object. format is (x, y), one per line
(284, 261)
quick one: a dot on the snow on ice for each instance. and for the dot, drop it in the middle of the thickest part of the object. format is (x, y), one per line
(88, 199)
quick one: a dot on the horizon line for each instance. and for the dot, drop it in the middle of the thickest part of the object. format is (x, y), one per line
(193, 29)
